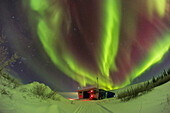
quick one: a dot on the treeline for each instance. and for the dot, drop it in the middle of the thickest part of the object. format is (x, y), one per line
(145, 87)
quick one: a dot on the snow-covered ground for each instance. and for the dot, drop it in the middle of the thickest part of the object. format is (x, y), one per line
(155, 101)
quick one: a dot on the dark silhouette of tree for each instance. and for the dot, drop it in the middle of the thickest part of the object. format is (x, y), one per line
(165, 73)
(5, 59)
(153, 80)
(168, 71)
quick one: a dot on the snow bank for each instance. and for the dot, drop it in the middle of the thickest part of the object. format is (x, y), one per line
(41, 91)
(26, 99)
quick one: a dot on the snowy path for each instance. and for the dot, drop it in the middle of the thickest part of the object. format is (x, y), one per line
(91, 108)
(155, 101)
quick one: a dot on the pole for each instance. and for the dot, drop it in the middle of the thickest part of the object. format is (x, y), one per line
(97, 83)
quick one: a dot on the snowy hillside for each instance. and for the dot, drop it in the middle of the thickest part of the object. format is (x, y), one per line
(23, 100)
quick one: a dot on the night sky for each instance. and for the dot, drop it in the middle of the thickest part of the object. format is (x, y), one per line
(67, 44)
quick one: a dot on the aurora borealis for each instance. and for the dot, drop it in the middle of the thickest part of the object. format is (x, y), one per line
(114, 40)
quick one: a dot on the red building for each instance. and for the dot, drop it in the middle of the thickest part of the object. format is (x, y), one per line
(94, 94)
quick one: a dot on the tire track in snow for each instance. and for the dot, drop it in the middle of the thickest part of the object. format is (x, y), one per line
(79, 109)
(91, 108)
(105, 108)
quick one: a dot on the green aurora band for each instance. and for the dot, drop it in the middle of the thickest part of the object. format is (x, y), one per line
(154, 56)
(158, 5)
(110, 39)
(50, 38)
(49, 33)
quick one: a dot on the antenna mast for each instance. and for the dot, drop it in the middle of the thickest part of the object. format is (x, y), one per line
(97, 83)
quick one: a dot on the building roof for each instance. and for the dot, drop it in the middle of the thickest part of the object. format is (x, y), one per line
(86, 89)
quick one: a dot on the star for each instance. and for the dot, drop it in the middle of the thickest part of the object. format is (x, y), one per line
(13, 17)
